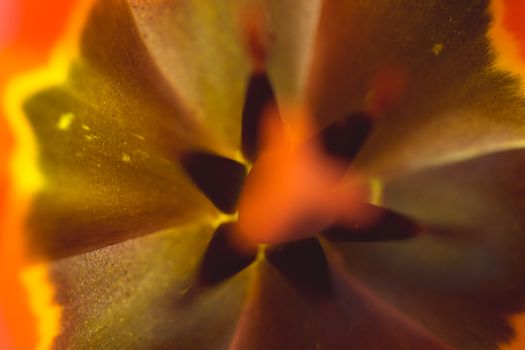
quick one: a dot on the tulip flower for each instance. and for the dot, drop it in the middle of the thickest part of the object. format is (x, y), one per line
(276, 175)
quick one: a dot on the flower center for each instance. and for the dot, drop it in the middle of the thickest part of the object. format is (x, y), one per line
(295, 188)
(278, 197)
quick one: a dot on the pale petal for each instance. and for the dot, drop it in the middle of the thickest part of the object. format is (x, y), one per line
(198, 46)
(280, 316)
(130, 296)
(449, 101)
(463, 280)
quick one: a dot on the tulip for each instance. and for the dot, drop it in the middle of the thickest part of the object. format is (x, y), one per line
(280, 175)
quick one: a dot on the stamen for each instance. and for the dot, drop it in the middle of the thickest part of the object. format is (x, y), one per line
(260, 98)
(259, 102)
(304, 264)
(292, 190)
(224, 257)
(219, 178)
(383, 225)
(345, 138)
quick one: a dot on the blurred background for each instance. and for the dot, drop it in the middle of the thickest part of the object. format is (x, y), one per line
(28, 31)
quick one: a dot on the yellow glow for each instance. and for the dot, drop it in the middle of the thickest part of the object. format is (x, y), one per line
(437, 48)
(126, 158)
(28, 180)
(507, 49)
(26, 177)
(224, 218)
(65, 121)
(41, 295)
(239, 157)
(376, 191)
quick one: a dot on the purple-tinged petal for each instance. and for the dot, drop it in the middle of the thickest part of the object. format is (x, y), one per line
(463, 279)
(428, 68)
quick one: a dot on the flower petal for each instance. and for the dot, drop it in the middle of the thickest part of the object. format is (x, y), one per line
(463, 280)
(109, 140)
(198, 47)
(127, 296)
(293, 24)
(428, 67)
(280, 316)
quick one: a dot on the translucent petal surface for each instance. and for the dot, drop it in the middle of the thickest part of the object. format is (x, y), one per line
(464, 279)
(109, 139)
(434, 61)
(198, 47)
(111, 135)
(128, 296)
(278, 316)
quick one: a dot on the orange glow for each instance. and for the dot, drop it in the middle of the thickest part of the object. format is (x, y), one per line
(519, 342)
(25, 316)
(293, 181)
(508, 38)
(508, 35)
(513, 22)
(29, 47)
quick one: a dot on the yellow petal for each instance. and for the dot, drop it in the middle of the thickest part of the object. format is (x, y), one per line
(109, 138)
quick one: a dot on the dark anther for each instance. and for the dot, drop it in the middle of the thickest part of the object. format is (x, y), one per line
(386, 226)
(219, 178)
(344, 138)
(223, 258)
(259, 97)
(304, 264)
